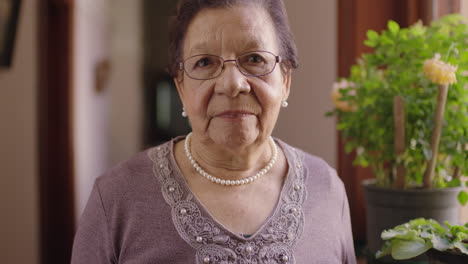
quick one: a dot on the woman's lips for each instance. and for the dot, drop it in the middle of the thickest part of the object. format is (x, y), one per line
(234, 114)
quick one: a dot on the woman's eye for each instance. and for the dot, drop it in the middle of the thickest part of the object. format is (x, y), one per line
(255, 58)
(203, 62)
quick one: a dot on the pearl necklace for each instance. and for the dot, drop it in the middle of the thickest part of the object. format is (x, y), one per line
(217, 180)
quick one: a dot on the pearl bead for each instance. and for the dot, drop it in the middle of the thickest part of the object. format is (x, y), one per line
(297, 187)
(248, 249)
(161, 165)
(206, 260)
(293, 210)
(171, 189)
(284, 258)
(183, 211)
(199, 239)
(231, 182)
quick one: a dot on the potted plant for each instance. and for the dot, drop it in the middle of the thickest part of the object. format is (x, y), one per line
(426, 236)
(404, 111)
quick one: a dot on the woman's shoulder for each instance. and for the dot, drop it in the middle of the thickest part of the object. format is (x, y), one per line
(131, 174)
(317, 171)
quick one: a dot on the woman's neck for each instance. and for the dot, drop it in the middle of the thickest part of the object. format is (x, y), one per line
(231, 163)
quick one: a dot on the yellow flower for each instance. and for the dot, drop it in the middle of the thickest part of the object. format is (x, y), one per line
(336, 95)
(439, 72)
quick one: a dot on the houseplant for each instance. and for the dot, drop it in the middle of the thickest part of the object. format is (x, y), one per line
(392, 112)
(419, 236)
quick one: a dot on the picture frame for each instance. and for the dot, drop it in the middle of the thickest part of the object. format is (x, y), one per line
(9, 15)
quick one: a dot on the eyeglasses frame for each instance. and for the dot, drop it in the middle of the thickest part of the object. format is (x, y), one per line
(278, 59)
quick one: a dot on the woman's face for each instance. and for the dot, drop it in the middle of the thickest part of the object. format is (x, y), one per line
(233, 109)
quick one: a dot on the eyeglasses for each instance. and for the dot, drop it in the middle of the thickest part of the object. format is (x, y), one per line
(207, 66)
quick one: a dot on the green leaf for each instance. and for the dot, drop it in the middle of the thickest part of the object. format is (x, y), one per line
(400, 234)
(454, 183)
(463, 247)
(404, 249)
(385, 250)
(393, 27)
(440, 243)
(372, 35)
(462, 197)
(361, 161)
(370, 43)
(349, 147)
(427, 153)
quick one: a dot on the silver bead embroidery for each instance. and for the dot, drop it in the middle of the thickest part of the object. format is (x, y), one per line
(248, 249)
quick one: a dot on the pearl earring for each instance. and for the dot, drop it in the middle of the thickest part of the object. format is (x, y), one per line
(284, 103)
(184, 114)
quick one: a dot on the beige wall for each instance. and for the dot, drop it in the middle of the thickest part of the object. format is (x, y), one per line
(126, 82)
(303, 123)
(107, 124)
(91, 112)
(18, 144)
(464, 8)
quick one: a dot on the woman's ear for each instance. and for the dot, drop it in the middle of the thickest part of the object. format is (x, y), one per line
(286, 82)
(179, 83)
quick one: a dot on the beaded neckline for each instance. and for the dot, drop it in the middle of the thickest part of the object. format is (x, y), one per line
(214, 243)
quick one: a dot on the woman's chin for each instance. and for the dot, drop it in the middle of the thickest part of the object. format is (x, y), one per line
(234, 137)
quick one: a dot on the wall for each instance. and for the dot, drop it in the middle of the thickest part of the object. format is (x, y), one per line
(107, 123)
(303, 123)
(19, 217)
(126, 83)
(91, 112)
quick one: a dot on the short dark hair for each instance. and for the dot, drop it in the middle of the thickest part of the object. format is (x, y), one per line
(187, 9)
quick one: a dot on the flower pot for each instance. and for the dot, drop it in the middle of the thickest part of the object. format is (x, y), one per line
(437, 257)
(387, 208)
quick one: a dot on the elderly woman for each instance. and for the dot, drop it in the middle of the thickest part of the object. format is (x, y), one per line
(227, 192)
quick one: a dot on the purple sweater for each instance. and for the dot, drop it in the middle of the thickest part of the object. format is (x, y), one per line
(142, 211)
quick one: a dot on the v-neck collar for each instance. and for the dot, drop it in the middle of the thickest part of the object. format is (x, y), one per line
(273, 214)
(271, 243)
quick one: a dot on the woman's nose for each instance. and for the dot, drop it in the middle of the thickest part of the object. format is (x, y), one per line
(232, 81)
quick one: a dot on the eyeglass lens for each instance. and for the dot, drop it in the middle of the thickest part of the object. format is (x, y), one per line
(210, 66)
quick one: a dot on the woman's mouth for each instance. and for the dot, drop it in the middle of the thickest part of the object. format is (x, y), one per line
(233, 115)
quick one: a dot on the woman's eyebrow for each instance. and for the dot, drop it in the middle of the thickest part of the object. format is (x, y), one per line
(198, 47)
(249, 45)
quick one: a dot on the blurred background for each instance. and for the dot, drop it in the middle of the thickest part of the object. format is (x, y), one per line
(83, 87)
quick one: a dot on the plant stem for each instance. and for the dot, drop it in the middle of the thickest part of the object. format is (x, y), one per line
(438, 118)
(457, 173)
(457, 170)
(399, 138)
